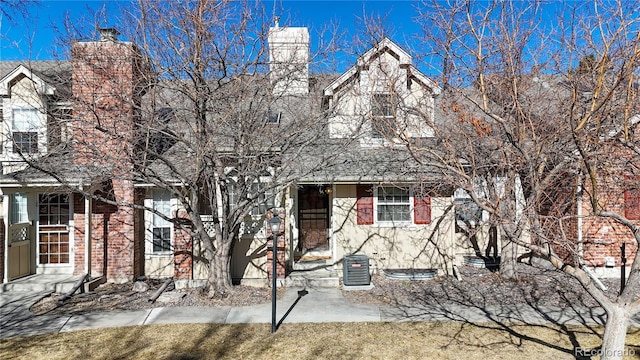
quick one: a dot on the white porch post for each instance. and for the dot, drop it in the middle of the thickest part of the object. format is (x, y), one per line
(332, 227)
(87, 234)
(5, 218)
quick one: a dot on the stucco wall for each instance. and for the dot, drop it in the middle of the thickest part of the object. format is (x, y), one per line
(23, 96)
(352, 104)
(402, 246)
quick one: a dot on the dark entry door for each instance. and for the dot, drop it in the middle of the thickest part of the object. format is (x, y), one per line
(313, 215)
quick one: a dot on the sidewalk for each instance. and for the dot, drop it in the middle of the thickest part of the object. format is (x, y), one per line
(297, 306)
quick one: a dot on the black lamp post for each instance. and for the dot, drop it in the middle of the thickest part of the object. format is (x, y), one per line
(274, 225)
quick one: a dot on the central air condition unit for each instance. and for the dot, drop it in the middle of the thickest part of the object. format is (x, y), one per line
(355, 270)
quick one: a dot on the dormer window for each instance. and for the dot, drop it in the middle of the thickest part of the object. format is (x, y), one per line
(272, 117)
(382, 116)
(25, 124)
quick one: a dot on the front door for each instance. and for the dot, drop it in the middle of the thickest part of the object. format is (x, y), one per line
(19, 251)
(19, 237)
(313, 214)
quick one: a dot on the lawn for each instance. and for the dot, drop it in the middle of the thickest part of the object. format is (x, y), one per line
(406, 340)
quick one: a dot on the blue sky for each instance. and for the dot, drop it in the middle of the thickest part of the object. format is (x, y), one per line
(34, 37)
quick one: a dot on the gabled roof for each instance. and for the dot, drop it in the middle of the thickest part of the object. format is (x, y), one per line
(48, 76)
(388, 46)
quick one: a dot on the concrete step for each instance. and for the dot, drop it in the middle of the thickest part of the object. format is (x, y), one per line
(309, 265)
(320, 278)
(36, 283)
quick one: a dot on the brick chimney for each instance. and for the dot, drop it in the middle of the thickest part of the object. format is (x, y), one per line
(106, 85)
(107, 79)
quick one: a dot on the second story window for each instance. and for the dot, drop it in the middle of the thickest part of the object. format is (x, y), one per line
(24, 126)
(382, 116)
(264, 198)
(272, 117)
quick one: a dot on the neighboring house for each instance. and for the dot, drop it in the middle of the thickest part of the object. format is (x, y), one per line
(374, 200)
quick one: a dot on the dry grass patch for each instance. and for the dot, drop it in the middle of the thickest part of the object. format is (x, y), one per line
(418, 340)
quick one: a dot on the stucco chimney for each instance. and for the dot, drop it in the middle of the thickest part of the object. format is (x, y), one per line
(289, 60)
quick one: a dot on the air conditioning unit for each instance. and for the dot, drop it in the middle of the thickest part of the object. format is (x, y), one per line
(355, 270)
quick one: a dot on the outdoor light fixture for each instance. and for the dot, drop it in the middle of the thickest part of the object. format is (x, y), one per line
(274, 225)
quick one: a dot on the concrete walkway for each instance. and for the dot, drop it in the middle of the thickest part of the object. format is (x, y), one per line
(297, 306)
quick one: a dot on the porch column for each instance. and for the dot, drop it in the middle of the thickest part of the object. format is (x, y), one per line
(87, 234)
(332, 227)
(5, 219)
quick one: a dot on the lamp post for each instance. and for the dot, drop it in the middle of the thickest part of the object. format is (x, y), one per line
(274, 224)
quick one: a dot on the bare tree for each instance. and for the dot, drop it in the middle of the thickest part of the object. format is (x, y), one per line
(540, 110)
(219, 123)
(235, 125)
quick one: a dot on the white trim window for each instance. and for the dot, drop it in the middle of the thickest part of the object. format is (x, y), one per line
(19, 212)
(54, 238)
(393, 205)
(25, 125)
(266, 200)
(382, 116)
(161, 228)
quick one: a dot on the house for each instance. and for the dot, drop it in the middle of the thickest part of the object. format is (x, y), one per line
(374, 198)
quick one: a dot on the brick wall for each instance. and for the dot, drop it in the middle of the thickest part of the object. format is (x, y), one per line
(182, 251)
(604, 237)
(106, 85)
(139, 238)
(78, 234)
(119, 235)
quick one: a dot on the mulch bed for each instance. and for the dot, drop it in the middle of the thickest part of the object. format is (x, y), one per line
(478, 286)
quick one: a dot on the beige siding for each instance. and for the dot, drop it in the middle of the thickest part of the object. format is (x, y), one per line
(159, 266)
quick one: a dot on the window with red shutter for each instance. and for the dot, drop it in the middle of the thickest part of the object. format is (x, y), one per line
(422, 209)
(364, 204)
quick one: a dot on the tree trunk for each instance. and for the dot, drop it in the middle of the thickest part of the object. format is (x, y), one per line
(219, 273)
(615, 333)
(508, 256)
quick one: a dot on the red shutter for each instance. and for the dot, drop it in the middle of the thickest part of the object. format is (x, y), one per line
(364, 204)
(422, 209)
(632, 204)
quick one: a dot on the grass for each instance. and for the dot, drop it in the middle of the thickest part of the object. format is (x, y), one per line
(406, 340)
